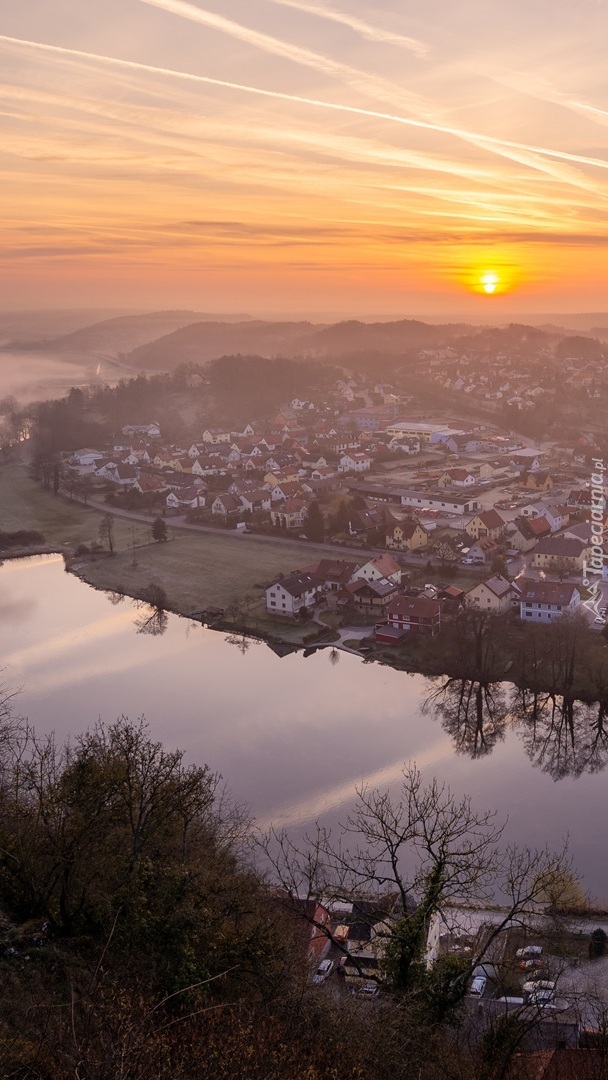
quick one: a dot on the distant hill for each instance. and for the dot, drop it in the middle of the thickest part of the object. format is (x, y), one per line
(119, 336)
(35, 327)
(203, 342)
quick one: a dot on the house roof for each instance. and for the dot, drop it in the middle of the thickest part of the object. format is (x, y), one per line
(339, 571)
(560, 546)
(498, 585)
(408, 527)
(297, 584)
(546, 592)
(490, 519)
(421, 607)
(381, 587)
(385, 564)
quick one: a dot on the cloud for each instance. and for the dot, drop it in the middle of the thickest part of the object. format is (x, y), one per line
(488, 141)
(366, 30)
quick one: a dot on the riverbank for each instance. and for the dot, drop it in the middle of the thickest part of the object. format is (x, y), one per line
(200, 570)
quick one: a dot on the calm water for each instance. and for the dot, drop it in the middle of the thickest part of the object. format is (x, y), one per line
(293, 736)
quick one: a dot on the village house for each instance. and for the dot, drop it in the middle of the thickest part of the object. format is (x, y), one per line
(496, 595)
(379, 568)
(289, 595)
(372, 596)
(151, 431)
(189, 498)
(524, 534)
(214, 436)
(408, 535)
(371, 524)
(539, 481)
(334, 574)
(546, 601)
(226, 506)
(556, 551)
(86, 458)
(461, 478)
(288, 513)
(354, 463)
(291, 489)
(413, 613)
(254, 500)
(484, 550)
(486, 523)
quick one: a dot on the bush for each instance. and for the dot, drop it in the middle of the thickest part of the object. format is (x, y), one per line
(21, 538)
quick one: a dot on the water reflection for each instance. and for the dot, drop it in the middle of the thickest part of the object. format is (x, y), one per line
(561, 735)
(472, 712)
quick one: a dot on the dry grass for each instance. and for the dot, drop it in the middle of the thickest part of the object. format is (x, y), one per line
(195, 569)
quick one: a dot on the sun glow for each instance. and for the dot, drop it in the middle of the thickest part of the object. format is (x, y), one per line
(489, 282)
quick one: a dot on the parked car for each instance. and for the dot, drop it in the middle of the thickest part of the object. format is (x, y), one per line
(529, 950)
(530, 965)
(323, 972)
(478, 985)
(368, 990)
(539, 991)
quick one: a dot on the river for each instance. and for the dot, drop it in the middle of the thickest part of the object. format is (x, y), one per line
(293, 736)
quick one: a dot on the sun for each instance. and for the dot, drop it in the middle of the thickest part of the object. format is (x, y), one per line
(489, 282)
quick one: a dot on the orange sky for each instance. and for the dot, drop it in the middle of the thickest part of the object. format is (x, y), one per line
(294, 155)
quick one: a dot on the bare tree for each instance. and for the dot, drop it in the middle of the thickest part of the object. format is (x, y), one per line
(106, 531)
(417, 854)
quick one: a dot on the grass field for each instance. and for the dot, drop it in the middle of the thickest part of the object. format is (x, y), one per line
(195, 569)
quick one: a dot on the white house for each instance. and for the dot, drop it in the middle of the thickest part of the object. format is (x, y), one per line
(383, 566)
(289, 595)
(546, 601)
(356, 463)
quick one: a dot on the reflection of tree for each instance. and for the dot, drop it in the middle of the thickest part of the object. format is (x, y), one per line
(562, 736)
(153, 601)
(334, 656)
(154, 623)
(115, 597)
(242, 642)
(474, 714)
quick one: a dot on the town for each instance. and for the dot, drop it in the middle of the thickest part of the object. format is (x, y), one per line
(425, 513)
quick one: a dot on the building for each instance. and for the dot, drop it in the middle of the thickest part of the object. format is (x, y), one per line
(408, 535)
(486, 523)
(496, 595)
(289, 513)
(416, 498)
(381, 567)
(372, 596)
(546, 601)
(427, 433)
(289, 595)
(553, 551)
(414, 613)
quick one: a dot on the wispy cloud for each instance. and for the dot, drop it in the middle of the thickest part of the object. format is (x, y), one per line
(459, 133)
(365, 29)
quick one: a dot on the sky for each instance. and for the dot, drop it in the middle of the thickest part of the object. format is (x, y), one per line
(292, 156)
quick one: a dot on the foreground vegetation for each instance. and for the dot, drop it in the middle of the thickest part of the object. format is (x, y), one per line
(139, 939)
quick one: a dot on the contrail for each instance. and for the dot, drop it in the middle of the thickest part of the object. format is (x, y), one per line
(372, 33)
(132, 65)
(325, 65)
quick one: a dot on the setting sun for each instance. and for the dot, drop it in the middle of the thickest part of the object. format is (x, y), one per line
(489, 282)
